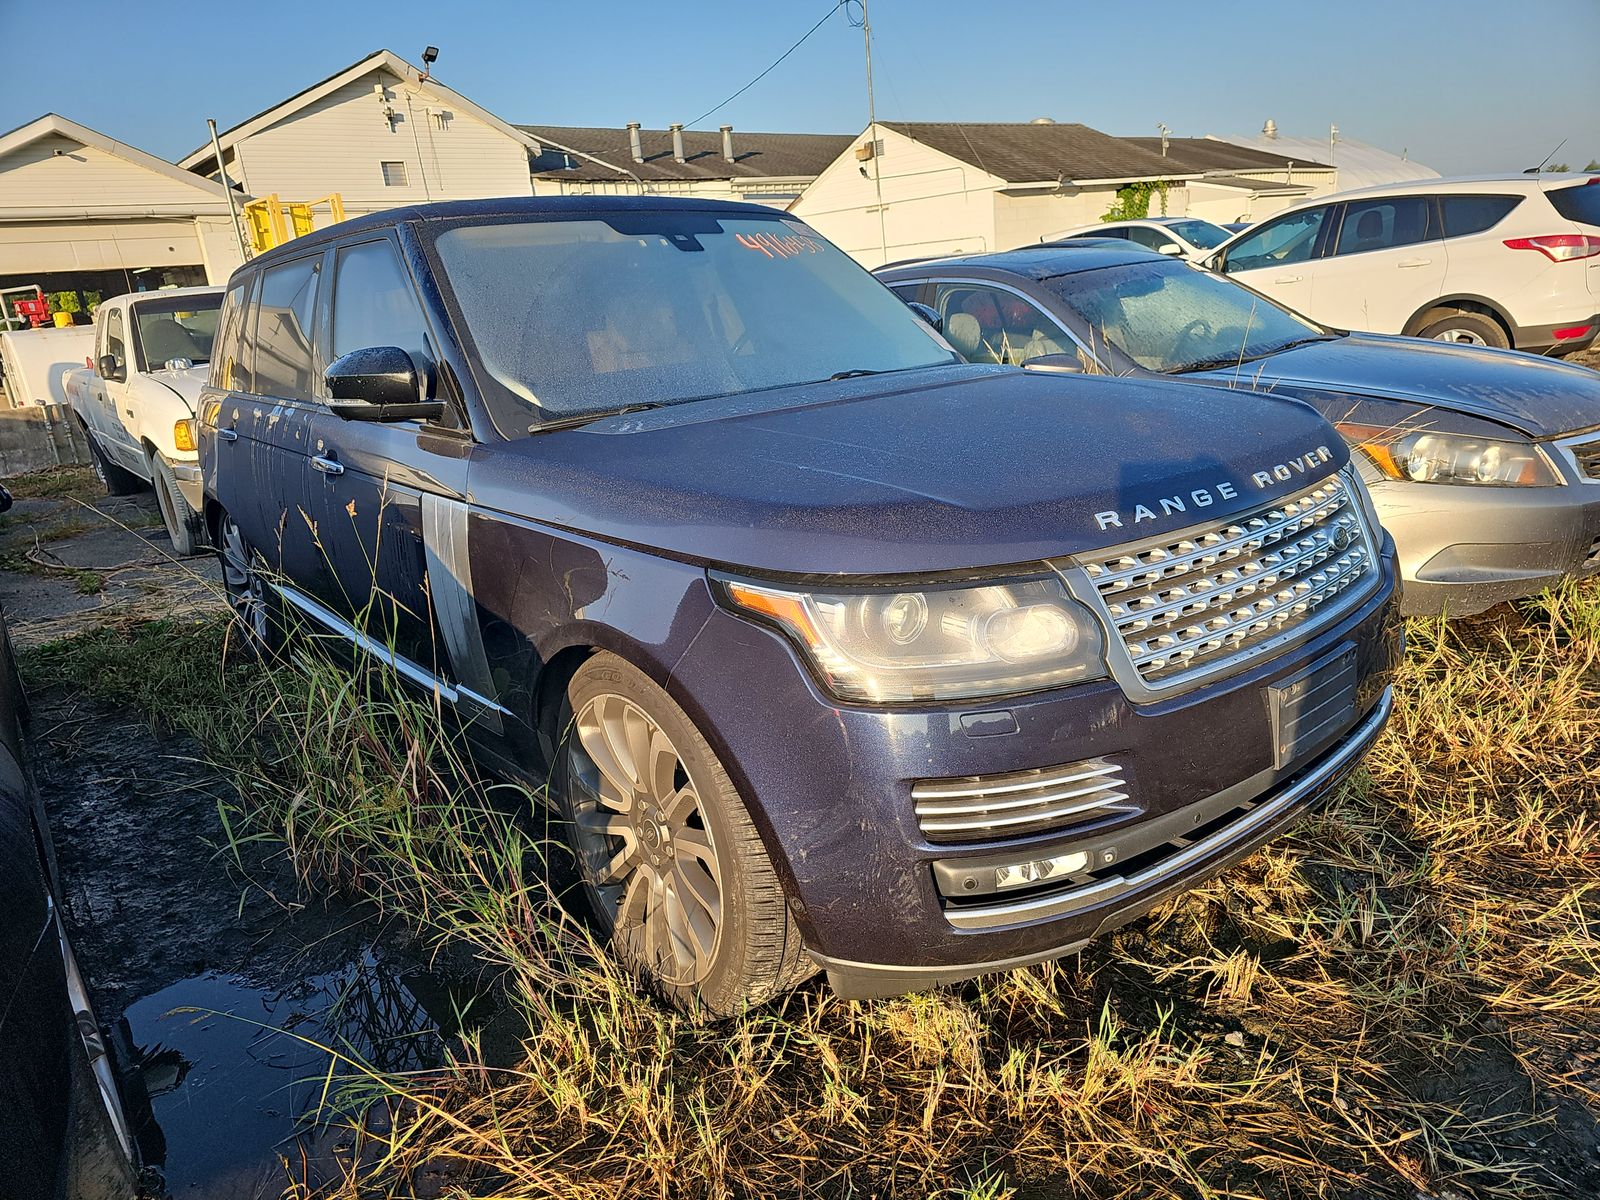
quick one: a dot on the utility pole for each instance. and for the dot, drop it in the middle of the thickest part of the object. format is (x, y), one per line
(872, 134)
(222, 174)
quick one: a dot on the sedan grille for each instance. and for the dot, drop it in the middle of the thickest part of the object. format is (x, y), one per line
(1588, 458)
(1207, 601)
(991, 807)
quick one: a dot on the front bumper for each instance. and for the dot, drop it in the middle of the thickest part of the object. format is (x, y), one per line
(191, 483)
(1464, 549)
(830, 787)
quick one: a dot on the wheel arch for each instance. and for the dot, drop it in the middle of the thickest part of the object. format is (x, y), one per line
(1461, 302)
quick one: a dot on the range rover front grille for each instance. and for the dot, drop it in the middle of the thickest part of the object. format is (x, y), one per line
(1196, 604)
(992, 807)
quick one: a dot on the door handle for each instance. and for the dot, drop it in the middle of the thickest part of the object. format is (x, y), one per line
(328, 466)
(227, 435)
(1416, 262)
(1288, 279)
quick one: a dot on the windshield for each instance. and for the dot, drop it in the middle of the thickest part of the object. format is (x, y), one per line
(578, 317)
(176, 327)
(1203, 234)
(1170, 317)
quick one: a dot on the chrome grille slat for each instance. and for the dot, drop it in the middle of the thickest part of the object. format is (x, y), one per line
(1187, 606)
(1587, 455)
(1010, 805)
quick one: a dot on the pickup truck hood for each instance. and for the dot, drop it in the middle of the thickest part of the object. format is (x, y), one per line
(1539, 397)
(938, 469)
(187, 383)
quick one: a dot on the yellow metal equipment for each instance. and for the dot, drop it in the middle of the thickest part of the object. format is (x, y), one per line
(272, 222)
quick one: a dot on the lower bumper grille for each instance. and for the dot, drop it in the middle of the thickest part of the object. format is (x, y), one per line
(992, 807)
(1591, 561)
(1587, 456)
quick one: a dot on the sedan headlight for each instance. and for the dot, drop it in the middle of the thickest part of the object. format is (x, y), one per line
(935, 643)
(1422, 456)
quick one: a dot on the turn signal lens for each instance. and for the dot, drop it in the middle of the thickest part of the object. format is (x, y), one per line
(183, 435)
(935, 643)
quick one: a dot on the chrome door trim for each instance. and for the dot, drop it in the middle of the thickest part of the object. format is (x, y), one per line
(462, 697)
(444, 539)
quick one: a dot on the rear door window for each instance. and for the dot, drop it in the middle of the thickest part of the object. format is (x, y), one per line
(1580, 203)
(284, 363)
(993, 325)
(1465, 215)
(1385, 224)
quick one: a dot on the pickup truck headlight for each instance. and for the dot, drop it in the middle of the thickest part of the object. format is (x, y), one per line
(946, 642)
(1421, 456)
(183, 435)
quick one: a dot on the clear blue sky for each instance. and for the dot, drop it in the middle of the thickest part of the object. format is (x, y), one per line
(1464, 86)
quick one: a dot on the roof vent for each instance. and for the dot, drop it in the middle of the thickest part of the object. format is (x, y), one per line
(1042, 121)
(677, 142)
(727, 142)
(1270, 129)
(633, 142)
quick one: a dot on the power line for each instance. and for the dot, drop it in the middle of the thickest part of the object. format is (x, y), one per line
(840, 4)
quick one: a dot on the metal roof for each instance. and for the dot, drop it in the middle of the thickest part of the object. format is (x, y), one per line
(1212, 154)
(1358, 164)
(755, 155)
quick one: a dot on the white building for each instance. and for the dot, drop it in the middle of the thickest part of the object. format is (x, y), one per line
(914, 189)
(1356, 164)
(381, 133)
(82, 212)
(1239, 183)
(767, 168)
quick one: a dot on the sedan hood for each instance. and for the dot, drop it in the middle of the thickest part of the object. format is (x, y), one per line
(931, 470)
(1539, 397)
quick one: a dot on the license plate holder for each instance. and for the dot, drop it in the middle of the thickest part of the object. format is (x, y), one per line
(1313, 707)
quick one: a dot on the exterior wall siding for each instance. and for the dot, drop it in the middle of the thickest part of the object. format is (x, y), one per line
(44, 172)
(338, 145)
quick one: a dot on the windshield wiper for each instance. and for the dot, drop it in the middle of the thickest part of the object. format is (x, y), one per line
(577, 419)
(854, 373)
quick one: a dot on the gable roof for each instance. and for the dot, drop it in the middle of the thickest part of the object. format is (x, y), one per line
(54, 124)
(756, 155)
(1212, 154)
(1358, 164)
(203, 157)
(1032, 153)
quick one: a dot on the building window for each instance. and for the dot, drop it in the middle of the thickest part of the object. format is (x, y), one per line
(394, 174)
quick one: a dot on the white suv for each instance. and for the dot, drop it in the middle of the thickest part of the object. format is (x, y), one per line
(1494, 262)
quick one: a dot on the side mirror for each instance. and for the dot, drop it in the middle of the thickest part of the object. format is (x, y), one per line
(5, 498)
(379, 383)
(1056, 364)
(178, 364)
(110, 367)
(927, 313)
(1172, 248)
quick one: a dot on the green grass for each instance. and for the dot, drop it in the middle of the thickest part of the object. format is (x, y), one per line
(1400, 998)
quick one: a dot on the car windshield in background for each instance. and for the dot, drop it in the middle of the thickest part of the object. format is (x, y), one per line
(1580, 203)
(1200, 233)
(586, 317)
(1167, 316)
(176, 327)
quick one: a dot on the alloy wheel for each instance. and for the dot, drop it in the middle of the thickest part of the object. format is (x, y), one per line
(1460, 337)
(247, 591)
(646, 851)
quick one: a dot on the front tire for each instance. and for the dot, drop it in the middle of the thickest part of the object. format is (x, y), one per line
(670, 862)
(184, 526)
(1465, 329)
(257, 608)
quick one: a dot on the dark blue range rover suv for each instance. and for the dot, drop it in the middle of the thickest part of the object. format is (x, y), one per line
(836, 650)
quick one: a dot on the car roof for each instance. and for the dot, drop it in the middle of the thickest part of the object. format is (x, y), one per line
(1040, 262)
(574, 207)
(204, 289)
(1462, 183)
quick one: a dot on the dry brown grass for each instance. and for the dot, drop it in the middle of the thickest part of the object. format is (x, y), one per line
(1399, 999)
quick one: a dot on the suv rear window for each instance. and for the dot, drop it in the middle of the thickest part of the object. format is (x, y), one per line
(1580, 203)
(1474, 214)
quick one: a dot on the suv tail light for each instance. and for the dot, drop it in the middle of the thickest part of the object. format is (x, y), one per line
(1559, 247)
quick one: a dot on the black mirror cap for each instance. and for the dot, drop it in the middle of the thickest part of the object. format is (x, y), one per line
(5, 498)
(927, 313)
(110, 368)
(1056, 364)
(379, 383)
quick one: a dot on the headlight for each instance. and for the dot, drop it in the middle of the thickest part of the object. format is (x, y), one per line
(1425, 457)
(935, 643)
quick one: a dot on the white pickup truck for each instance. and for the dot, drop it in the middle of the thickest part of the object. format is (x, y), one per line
(137, 402)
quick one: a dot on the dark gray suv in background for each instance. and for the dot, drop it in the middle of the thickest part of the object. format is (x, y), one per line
(838, 650)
